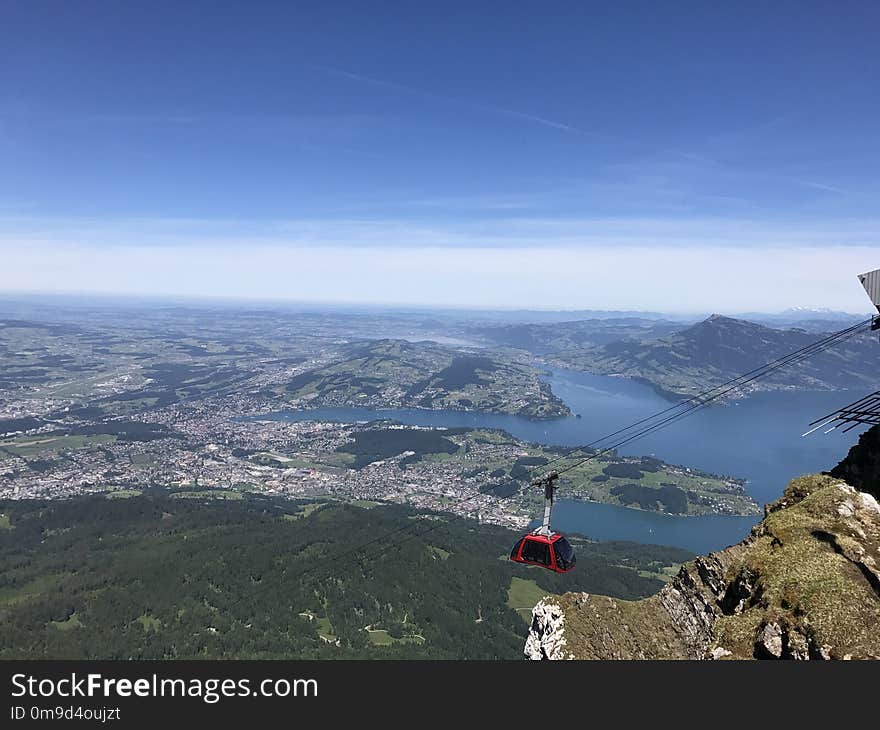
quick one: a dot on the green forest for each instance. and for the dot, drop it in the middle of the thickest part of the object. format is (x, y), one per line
(154, 576)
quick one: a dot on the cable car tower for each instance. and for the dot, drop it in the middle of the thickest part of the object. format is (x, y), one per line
(865, 411)
(549, 484)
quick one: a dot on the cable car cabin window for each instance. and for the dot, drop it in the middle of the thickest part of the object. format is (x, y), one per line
(515, 549)
(564, 554)
(536, 552)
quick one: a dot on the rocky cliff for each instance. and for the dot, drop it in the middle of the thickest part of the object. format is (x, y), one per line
(805, 584)
(861, 467)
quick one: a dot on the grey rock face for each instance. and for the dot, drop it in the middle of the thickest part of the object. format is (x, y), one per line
(770, 640)
(546, 638)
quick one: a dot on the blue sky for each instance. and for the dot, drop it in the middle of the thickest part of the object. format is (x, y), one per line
(568, 155)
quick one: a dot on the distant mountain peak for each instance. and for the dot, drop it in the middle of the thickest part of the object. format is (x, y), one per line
(725, 318)
(812, 310)
(722, 320)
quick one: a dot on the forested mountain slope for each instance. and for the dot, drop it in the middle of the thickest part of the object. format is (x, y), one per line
(179, 576)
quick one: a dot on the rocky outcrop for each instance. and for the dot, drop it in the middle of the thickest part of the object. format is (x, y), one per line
(861, 467)
(547, 635)
(805, 584)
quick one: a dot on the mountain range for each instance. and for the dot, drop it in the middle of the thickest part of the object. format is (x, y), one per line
(682, 361)
(396, 373)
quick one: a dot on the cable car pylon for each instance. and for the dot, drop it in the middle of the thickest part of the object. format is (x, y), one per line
(548, 481)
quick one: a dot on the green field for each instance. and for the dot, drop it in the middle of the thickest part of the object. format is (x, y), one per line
(322, 625)
(380, 637)
(307, 509)
(25, 446)
(123, 493)
(666, 573)
(41, 585)
(523, 595)
(208, 494)
(69, 624)
(439, 552)
(149, 623)
(325, 629)
(278, 461)
(310, 507)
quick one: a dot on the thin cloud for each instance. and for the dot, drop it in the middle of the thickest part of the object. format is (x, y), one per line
(505, 232)
(474, 203)
(819, 186)
(490, 108)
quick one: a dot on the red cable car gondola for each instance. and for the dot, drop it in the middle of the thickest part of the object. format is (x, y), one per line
(544, 547)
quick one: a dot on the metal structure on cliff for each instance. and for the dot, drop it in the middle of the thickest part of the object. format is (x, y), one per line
(865, 411)
(871, 282)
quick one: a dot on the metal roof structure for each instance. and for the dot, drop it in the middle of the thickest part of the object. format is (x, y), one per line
(871, 282)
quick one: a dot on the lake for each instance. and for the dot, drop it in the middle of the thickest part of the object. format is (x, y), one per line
(757, 439)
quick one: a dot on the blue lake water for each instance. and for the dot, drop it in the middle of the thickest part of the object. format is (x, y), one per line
(757, 439)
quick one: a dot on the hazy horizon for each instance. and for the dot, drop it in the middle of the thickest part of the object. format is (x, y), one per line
(86, 299)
